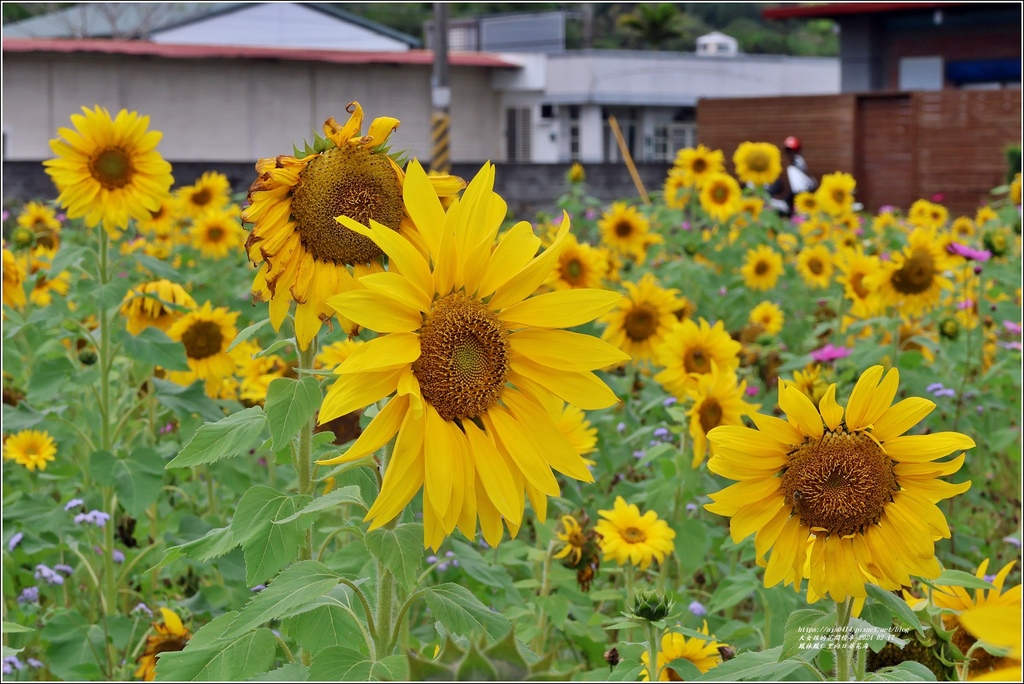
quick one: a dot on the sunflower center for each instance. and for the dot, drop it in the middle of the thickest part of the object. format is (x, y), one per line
(758, 161)
(573, 270)
(761, 267)
(634, 535)
(839, 196)
(696, 361)
(577, 538)
(641, 322)
(464, 358)
(710, 413)
(720, 194)
(815, 266)
(840, 484)
(215, 233)
(353, 182)
(857, 284)
(201, 198)
(202, 339)
(916, 275)
(623, 229)
(112, 168)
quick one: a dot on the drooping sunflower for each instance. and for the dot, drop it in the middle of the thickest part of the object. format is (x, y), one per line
(699, 163)
(30, 448)
(913, 280)
(626, 231)
(704, 654)
(628, 537)
(717, 400)
(757, 163)
(814, 264)
(41, 220)
(574, 538)
(842, 498)
(108, 170)
(217, 232)
(156, 304)
(14, 279)
(170, 636)
(579, 266)
(720, 196)
(471, 358)
(206, 334)
(769, 316)
(691, 350)
(210, 192)
(641, 320)
(835, 194)
(856, 272)
(761, 268)
(304, 253)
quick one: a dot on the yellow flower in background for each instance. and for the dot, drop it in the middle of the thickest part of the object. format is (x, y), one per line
(927, 214)
(14, 281)
(155, 304)
(856, 272)
(758, 163)
(769, 316)
(206, 334)
(814, 264)
(574, 538)
(573, 423)
(43, 286)
(626, 231)
(753, 206)
(787, 242)
(806, 203)
(762, 268)
(256, 374)
(162, 220)
(914, 279)
(840, 497)
(216, 233)
(884, 221)
(1015, 193)
(642, 318)
(984, 215)
(810, 383)
(815, 230)
(835, 194)
(691, 350)
(579, 266)
(303, 252)
(962, 229)
(628, 537)
(576, 173)
(717, 400)
(699, 163)
(720, 196)
(30, 448)
(170, 636)
(108, 170)
(210, 192)
(41, 220)
(334, 354)
(677, 189)
(704, 654)
(470, 361)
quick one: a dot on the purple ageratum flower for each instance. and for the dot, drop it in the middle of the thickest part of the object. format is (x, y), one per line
(95, 517)
(1014, 346)
(29, 595)
(449, 554)
(431, 559)
(1012, 541)
(44, 572)
(691, 507)
(830, 353)
(934, 386)
(118, 555)
(10, 664)
(620, 428)
(945, 392)
(64, 569)
(143, 608)
(968, 253)
(663, 433)
(1012, 328)
(639, 453)
(686, 226)
(15, 540)
(697, 608)
(670, 401)
(442, 567)
(34, 664)
(74, 503)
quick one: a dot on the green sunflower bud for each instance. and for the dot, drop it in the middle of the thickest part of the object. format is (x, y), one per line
(949, 328)
(87, 356)
(651, 604)
(22, 237)
(996, 242)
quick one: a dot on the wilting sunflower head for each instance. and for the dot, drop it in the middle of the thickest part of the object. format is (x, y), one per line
(169, 636)
(835, 194)
(305, 254)
(156, 304)
(704, 654)
(757, 163)
(108, 170)
(628, 537)
(30, 448)
(470, 362)
(842, 497)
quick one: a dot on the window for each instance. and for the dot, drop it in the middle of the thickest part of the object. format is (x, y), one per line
(574, 133)
(518, 134)
(672, 137)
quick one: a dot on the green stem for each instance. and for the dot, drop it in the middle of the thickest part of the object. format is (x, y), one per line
(862, 662)
(844, 652)
(654, 667)
(545, 589)
(385, 618)
(304, 455)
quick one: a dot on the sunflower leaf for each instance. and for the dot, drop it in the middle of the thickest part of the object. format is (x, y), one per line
(155, 348)
(959, 578)
(802, 629)
(229, 436)
(248, 332)
(298, 585)
(342, 663)
(400, 549)
(349, 494)
(225, 660)
(461, 612)
(895, 605)
(268, 547)
(290, 405)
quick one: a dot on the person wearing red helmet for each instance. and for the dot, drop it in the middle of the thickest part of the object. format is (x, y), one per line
(795, 180)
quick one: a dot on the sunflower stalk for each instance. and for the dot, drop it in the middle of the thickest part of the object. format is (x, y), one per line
(844, 653)
(386, 616)
(654, 668)
(304, 454)
(545, 589)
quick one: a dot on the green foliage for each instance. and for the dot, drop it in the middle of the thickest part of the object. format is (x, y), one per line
(462, 613)
(290, 405)
(269, 543)
(502, 661)
(228, 437)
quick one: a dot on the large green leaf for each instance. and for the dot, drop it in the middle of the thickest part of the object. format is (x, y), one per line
(344, 664)
(761, 665)
(268, 547)
(136, 479)
(185, 401)
(336, 497)
(298, 585)
(248, 332)
(898, 607)
(76, 646)
(290, 405)
(229, 436)
(959, 578)
(400, 550)
(154, 347)
(48, 378)
(213, 544)
(474, 565)
(462, 613)
(802, 627)
(324, 626)
(232, 659)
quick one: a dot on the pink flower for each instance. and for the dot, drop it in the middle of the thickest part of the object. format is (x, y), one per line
(1012, 328)
(968, 253)
(830, 353)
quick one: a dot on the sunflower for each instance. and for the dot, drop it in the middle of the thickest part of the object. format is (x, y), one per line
(814, 264)
(752, 206)
(704, 654)
(1015, 190)
(720, 196)
(108, 170)
(676, 192)
(927, 214)
(642, 319)
(206, 334)
(30, 448)
(14, 279)
(806, 203)
(757, 163)
(835, 194)
(573, 423)
(914, 279)
(769, 316)
(211, 192)
(628, 537)
(575, 540)
(256, 374)
(884, 221)
(762, 268)
(856, 276)
(43, 286)
(216, 232)
(170, 636)
(305, 254)
(156, 304)
(699, 163)
(984, 215)
(842, 501)
(815, 230)
(999, 626)
(717, 400)
(691, 350)
(579, 266)
(787, 242)
(41, 220)
(810, 383)
(626, 231)
(962, 228)
(473, 361)
(334, 354)
(576, 173)
(162, 220)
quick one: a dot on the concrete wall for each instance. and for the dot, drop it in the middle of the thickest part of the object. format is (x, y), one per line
(230, 110)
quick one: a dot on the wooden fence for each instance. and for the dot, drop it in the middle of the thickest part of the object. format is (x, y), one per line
(899, 146)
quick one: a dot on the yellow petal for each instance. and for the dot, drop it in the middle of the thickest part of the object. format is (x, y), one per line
(753, 517)
(831, 411)
(580, 388)
(563, 309)
(515, 250)
(547, 436)
(901, 417)
(377, 311)
(379, 432)
(564, 349)
(398, 286)
(383, 353)
(404, 474)
(172, 621)
(423, 205)
(351, 392)
(403, 255)
(870, 399)
(800, 411)
(530, 461)
(381, 128)
(922, 448)
(494, 473)
(438, 467)
(744, 439)
(525, 282)
(777, 429)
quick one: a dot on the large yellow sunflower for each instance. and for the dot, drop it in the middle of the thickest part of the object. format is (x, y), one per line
(628, 537)
(210, 192)
(108, 170)
(717, 400)
(30, 448)
(206, 334)
(305, 254)
(762, 268)
(691, 350)
(14, 279)
(757, 163)
(699, 163)
(704, 654)
(155, 304)
(720, 196)
(217, 232)
(471, 360)
(842, 498)
(641, 320)
(626, 231)
(814, 264)
(835, 194)
(769, 316)
(579, 266)
(913, 280)
(41, 220)
(170, 636)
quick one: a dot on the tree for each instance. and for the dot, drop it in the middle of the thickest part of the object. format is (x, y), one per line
(652, 25)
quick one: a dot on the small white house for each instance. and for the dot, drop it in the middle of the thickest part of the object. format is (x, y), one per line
(716, 44)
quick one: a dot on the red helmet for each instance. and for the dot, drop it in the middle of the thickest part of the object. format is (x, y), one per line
(792, 143)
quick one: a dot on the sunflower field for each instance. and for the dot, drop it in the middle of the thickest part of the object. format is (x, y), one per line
(361, 423)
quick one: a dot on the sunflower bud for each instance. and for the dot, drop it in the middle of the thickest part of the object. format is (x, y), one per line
(949, 328)
(22, 237)
(996, 242)
(87, 356)
(651, 604)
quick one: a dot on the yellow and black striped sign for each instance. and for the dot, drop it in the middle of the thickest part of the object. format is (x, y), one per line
(440, 159)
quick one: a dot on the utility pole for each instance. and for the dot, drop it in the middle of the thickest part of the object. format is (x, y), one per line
(440, 94)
